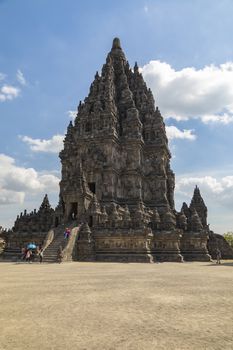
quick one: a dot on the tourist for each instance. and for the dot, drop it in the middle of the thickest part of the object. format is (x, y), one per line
(67, 233)
(29, 256)
(218, 256)
(59, 254)
(41, 254)
(23, 253)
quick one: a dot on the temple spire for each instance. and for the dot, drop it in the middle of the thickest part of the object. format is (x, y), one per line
(116, 44)
(198, 204)
(45, 203)
(117, 55)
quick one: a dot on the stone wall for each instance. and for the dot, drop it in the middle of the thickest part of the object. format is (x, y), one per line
(217, 241)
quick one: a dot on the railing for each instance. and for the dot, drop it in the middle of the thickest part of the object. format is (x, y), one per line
(48, 239)
(68, 252)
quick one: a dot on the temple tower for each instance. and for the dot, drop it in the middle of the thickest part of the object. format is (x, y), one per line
(198, 204)
(119, 141)
(116, 179)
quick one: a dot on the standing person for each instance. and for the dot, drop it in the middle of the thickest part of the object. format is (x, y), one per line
(218, 256)
(59, 254)
(41, 254)
(67, 233)
(28, 255)
(23, 253)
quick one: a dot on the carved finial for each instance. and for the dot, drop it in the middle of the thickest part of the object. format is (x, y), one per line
(116, 44)
(135, 68)
(79, 106)
(97, 75)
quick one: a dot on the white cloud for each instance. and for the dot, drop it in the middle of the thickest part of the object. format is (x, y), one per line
(205, 93)
(224, 119)
(228, 181)
(20, 77)
(8, 92)
(17, 182)
(11, 197)
(218, 190)
(72, 114)
(174, 133)
(53, 145)
(49, 182)
(212, 184)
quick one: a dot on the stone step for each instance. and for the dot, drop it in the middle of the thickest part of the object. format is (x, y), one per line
(12, 250)
(52, 248)
(11, 253)
(50, 254)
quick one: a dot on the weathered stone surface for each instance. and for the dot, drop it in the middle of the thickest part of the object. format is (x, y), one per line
(218, 242)
(31, 227)
(117, 180)
(2, 242)
(116, 173)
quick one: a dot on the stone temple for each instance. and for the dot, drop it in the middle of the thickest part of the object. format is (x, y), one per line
(116, 180)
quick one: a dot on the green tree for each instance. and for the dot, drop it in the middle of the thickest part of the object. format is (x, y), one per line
(229, 238)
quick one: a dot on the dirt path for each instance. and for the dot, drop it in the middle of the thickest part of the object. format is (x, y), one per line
(116, 306)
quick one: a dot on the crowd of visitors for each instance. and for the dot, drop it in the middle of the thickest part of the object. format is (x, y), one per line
(31, 252)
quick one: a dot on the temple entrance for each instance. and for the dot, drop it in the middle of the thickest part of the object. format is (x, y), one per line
(91, 186)
(56, 221)
(90, 223)
(74, 211)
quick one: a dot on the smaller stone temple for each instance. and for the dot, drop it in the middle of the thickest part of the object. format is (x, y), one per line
(32, 227)
(117, 186)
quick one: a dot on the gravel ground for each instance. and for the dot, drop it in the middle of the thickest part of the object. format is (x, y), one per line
(116, 306)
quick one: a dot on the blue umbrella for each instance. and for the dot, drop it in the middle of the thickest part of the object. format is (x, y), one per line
(31, 246)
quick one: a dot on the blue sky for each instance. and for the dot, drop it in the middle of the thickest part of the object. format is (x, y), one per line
(50, 51)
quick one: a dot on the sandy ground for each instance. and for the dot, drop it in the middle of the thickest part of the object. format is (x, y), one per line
(116, 306)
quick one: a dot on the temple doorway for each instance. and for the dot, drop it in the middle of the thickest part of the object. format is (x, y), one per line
(90, 223)
(74, 211)
(56, 221)
(91, 186)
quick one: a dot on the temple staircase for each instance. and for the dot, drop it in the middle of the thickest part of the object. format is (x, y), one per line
(50, 252)
(55, 239)
(11, 254)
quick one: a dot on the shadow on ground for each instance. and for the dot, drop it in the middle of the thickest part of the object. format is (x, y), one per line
(222, 264)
